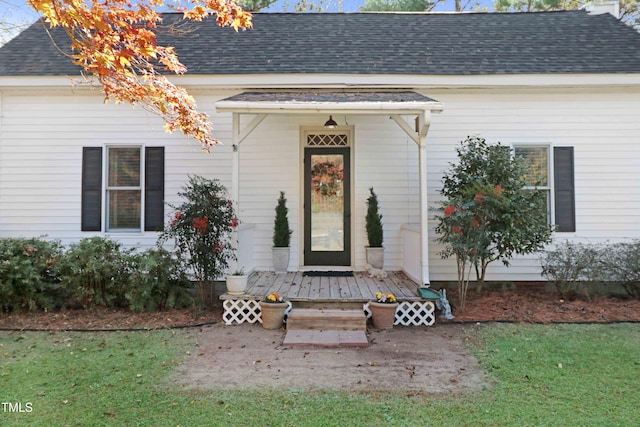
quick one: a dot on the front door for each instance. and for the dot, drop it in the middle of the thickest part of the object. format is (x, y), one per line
(327, 206)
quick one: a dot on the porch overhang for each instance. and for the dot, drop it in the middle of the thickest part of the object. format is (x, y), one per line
(337, 102)
(394, 104)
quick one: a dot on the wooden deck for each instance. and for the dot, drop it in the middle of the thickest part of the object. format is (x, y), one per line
(299, 288)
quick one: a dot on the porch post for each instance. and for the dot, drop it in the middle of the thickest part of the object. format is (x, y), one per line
(235, 161)
(419, 136)
(424, 208)
(237, 136)
(423, 123)
(235, 181)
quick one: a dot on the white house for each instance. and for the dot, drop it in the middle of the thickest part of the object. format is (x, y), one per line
(403, 89)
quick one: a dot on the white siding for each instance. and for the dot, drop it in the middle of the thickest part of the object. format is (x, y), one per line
(271, 161)
(42, 135)
(603, 128)
(41, 140)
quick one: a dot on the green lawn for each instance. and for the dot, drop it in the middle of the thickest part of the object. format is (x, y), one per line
(561, 375)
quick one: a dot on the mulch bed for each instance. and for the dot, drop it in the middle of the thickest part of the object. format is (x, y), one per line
(537, 306)
(520, 306)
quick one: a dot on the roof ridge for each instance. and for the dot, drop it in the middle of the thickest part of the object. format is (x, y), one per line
(557, 42)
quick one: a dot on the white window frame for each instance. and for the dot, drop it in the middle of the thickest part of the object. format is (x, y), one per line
(108, 188)
(549, 188)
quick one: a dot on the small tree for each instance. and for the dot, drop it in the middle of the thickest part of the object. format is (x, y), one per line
(281, 230)
(488, 214)
(373, 221)
(201, 230)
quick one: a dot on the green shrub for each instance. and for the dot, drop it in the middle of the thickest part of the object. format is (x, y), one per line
(28, 280)
(621, 264)
(580, 267)
(97, 271)
(200, 229)
(159, 282)
(281, 230)
(373, 221)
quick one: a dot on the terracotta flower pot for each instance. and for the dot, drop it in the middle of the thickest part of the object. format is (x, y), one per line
(383, 314)
(272, 314)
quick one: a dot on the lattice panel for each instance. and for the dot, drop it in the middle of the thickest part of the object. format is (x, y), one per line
(246, 311)
(241, 311)
(327, 140)
(414, 313)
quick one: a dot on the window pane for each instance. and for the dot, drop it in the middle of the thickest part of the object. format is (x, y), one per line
(327, 203)
(124, 209)
(537, 158)
(124, 167)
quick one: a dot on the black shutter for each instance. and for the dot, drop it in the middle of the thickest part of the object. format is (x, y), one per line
(91, 206)
(564, 189)
(154, 188)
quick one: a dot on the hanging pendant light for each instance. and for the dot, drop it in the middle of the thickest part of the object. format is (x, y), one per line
(330, 124)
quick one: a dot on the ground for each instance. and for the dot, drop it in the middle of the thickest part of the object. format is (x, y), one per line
(533, 306)
(411, 359)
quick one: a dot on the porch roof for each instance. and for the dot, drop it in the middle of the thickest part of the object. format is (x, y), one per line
(313, 101)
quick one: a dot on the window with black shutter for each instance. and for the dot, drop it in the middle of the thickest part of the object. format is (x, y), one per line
(91, 205)
(154, 189)
(538, 158)
(538, 176)
(564, 189)
(124, 194)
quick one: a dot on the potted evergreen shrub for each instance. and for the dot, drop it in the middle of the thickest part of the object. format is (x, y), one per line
(373, 223)
(281, 236)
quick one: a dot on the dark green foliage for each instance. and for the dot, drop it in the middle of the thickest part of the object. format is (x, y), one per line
(36, 274)
(28, 277)
(281, 230)
(97, 272)
(159, 282)
(373, 221)
(488, 214)
(200, 229)
(397, 6)
(255, 5)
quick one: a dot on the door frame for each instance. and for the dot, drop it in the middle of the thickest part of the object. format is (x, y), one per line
(350, 220)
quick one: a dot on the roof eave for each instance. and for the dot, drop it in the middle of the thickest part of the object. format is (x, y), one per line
(265, 107)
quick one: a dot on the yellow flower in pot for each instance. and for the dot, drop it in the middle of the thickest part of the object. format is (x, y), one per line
(383, 310)
(272, 310)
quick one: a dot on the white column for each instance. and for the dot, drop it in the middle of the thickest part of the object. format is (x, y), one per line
(235, 159)
(419, 136)
(424, 210)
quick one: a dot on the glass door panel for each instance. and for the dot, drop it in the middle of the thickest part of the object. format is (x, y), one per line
(327, 204)
(327, 234)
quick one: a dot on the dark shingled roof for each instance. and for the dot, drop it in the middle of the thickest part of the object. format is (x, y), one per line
(311, 97)
(378, 43)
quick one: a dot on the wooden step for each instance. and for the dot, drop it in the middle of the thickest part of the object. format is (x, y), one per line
(327, 319)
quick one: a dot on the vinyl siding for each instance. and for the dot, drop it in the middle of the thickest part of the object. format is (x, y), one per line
(42, 135)
(41, 140)
(601, 126)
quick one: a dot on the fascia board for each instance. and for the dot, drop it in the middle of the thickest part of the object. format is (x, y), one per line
(335, 107)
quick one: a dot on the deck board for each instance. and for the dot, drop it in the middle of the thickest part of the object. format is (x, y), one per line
(297, 287)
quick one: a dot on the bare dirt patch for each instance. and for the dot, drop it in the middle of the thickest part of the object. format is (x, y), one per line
(410, 359)
(407, 359)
